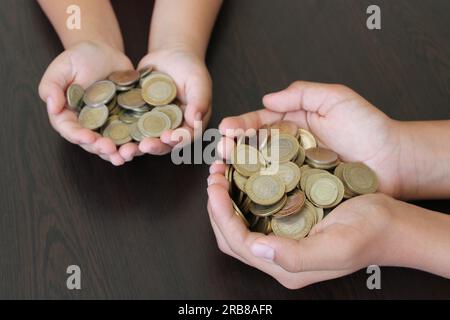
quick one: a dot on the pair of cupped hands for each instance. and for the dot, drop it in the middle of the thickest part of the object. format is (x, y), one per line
(88, 62)
(354, 235)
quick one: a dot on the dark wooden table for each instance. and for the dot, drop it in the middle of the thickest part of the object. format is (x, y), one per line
(141, 231)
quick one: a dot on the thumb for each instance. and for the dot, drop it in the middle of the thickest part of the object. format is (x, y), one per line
(314, 253)
(198, 99)
(54, 83)
(308, 96)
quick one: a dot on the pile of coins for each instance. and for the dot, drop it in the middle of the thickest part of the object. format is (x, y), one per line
(308, 183)
(129, 106)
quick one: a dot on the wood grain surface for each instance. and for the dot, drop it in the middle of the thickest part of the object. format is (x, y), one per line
(141, 231)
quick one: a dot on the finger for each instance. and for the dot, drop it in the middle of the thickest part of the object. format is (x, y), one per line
(128, 151)
(154, 146)
(198, 98)
(178, 137)
(105, 145)
(314, 253)
(54, 83)
(309, 96)
(233, 126)
(217, 168)
(116, 159)
(225, 148)
(66, 123)
(218, 179)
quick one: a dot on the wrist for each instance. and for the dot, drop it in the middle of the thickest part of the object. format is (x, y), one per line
(178, 45)
(100, 42)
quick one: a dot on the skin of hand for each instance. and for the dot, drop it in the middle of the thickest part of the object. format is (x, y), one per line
(370, 229)
(194, 88)
(83, 64)
(366, 230)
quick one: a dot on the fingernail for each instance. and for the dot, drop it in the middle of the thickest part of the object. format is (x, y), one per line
(49, 102)
(209, 181)
(263, 251)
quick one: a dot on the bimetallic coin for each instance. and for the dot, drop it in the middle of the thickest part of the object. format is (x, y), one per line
(173, 112)
(307, 139)
(239, 180)
(118, 132)
(100, 93)
(129, 116)
(93, 117)
(300, 160)
(262, 225)
(295, 226)
(287, 149)
(321, 155)
(264, 211)
(153, 124)
(247, 160)
(324, 190)
(338, 172)
(305, 174)
(239, 213)
(124, 78)
(289, 172)
(131, 100)
(159, 91)
(294, 204)
(264, 189)
(74, 96)
(144, 72)
(135, 133)
(360, 178)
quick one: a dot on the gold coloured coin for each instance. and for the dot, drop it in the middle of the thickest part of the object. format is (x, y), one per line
(93, 117)
(307, 139)
(135, 133)
(99, 93)
(131, 100)
(239, 180)
(173, 112)
(247, 160)
(289, 172)
(264, 189)
(321, 155)
(281, 148)
(305, 174)
(262, 225)
(118, 132)
(359, 178)
(324, 190)
(239, 213)
(159, 91)
(295, 226)
(152, 124)
(264, 211)
(146, 71)
(74, 96)
(285, 127)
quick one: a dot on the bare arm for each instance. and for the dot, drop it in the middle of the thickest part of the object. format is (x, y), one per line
(425, 159)
(184, 24)
(98, 22)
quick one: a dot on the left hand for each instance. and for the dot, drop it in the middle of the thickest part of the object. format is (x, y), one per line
(354, 235)
(194, 88)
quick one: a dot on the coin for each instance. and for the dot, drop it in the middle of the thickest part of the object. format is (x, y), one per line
(239, 180)
(263, 211)
(307, 139)
(135, 133)
(152, 124)
(360, 178)
(93, 117)
(144, 72)
(289, 172)
(124, 78)
(324, 190)
(118, 132)
(159, 91)
(132, 100)
(285, 148)
(262, 225)
(239, 213)
(247, 160)
(99, 93)
(321, 155)
(305, 175)
(173, 112)
(265, 189)
(129, 116)
(294, 204)
(300, 157)
(74, 96)
(295, 226)
(338, 172)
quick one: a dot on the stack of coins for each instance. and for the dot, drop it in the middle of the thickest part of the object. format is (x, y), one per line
(129, 106)
(308, 183)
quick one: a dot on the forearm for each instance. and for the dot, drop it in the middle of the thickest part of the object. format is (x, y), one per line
(183, 24)
(425, 159)
(98, 22)
(419, 239)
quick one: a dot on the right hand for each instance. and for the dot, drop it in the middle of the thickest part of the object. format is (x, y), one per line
(342, 120)
(83, 64)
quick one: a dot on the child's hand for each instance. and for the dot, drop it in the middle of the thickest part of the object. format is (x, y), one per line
(83, 64)
(342, 120)
(353, 236)
(194, 93)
